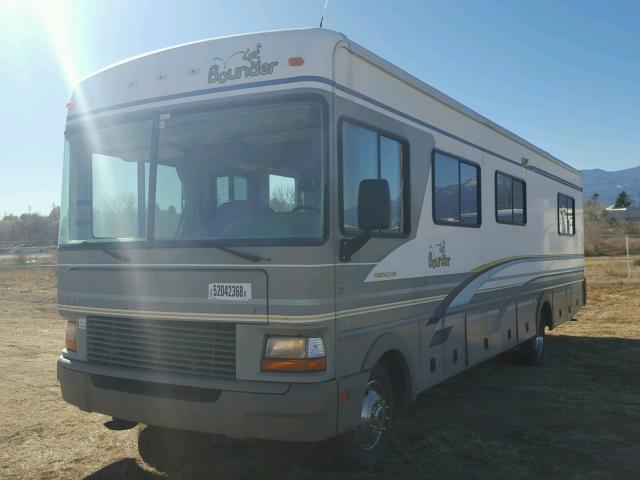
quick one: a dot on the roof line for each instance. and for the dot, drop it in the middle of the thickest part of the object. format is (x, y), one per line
(196, 42)
(390, 68)
(376, 60)
(423, 87)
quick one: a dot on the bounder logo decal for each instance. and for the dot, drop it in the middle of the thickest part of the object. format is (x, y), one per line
(235, 68)
(438, 256)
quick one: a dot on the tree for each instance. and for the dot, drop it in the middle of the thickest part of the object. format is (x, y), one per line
(29, 228)
(283, 198)
(593, 200)
(623, 200)
(54, 214)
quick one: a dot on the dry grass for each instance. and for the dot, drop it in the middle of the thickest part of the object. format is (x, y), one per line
(607, 246)
(578, 417)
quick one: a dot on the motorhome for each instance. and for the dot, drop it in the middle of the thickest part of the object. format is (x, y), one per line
(283, 236)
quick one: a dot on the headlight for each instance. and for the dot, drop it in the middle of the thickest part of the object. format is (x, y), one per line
(71, 336)
(294, 354)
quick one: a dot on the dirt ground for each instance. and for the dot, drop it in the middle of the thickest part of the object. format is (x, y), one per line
(577, 417)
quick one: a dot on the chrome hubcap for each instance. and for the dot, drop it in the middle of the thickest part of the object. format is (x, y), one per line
(374, 416)
(538, 345)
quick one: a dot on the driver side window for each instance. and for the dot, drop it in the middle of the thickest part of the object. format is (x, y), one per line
(369, 154)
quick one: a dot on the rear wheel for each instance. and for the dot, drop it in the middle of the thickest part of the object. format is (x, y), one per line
(533, 349)
(364, 446)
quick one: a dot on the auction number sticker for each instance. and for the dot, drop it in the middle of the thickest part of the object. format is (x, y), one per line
(230, 291)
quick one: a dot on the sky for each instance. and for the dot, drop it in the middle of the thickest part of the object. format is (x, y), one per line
(565, 75)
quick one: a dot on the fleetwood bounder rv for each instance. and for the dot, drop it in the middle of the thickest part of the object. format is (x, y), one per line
(283, 236)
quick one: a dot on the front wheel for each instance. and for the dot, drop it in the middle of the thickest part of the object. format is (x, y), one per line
(364, 446)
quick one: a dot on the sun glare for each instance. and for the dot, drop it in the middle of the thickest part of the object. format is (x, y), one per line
(54, 18)
(9, 4)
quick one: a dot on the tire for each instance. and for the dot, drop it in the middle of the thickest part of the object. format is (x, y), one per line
(362, 447)
(533, 349)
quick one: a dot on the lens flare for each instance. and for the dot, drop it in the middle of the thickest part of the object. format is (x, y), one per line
(54, 16)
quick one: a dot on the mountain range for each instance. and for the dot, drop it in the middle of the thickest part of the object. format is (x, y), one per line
(609, 184)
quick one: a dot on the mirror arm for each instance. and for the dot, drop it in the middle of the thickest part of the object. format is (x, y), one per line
(349, 246)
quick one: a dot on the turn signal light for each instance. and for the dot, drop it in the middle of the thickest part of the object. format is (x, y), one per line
(294, 364)
(71, 336)
(296, 61)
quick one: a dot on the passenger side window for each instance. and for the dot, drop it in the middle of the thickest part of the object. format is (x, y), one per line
(368, 154)
(566, 215)
(510, 200)
(456, 191)
(282, 193)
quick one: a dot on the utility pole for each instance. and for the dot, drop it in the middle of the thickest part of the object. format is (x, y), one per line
(626, 244)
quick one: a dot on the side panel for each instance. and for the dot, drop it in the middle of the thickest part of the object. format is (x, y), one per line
(484, 334)
(561, 305)
(526, 308)
(494, 269)
(455, 346)
(510, 328)
(576, 299)
(433, 338)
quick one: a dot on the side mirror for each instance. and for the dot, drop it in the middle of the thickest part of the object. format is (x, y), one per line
(374, 212)
(374, 204)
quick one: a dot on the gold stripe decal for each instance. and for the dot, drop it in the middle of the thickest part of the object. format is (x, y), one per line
(254, 318)
(557, 256)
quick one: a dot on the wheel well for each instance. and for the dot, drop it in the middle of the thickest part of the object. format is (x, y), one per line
(546, 314)
(398, 370)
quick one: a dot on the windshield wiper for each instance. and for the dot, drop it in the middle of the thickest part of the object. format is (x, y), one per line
(245, 256)
(124, 258)
(105, 249)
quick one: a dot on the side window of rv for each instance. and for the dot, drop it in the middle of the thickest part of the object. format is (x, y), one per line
(456, 191)
(566, 215)
(230, 188)
(511, 201)
(282, 193)
(368, 154)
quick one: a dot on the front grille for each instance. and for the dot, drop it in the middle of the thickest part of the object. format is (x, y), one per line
(193, 347)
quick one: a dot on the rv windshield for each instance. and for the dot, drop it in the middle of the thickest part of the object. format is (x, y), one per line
(234, 175)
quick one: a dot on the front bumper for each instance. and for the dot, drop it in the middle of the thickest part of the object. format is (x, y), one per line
(291, 412)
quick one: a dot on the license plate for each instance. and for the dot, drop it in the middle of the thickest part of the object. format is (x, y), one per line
(230, 291)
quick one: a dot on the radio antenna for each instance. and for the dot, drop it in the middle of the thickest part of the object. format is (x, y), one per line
(323, 10)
